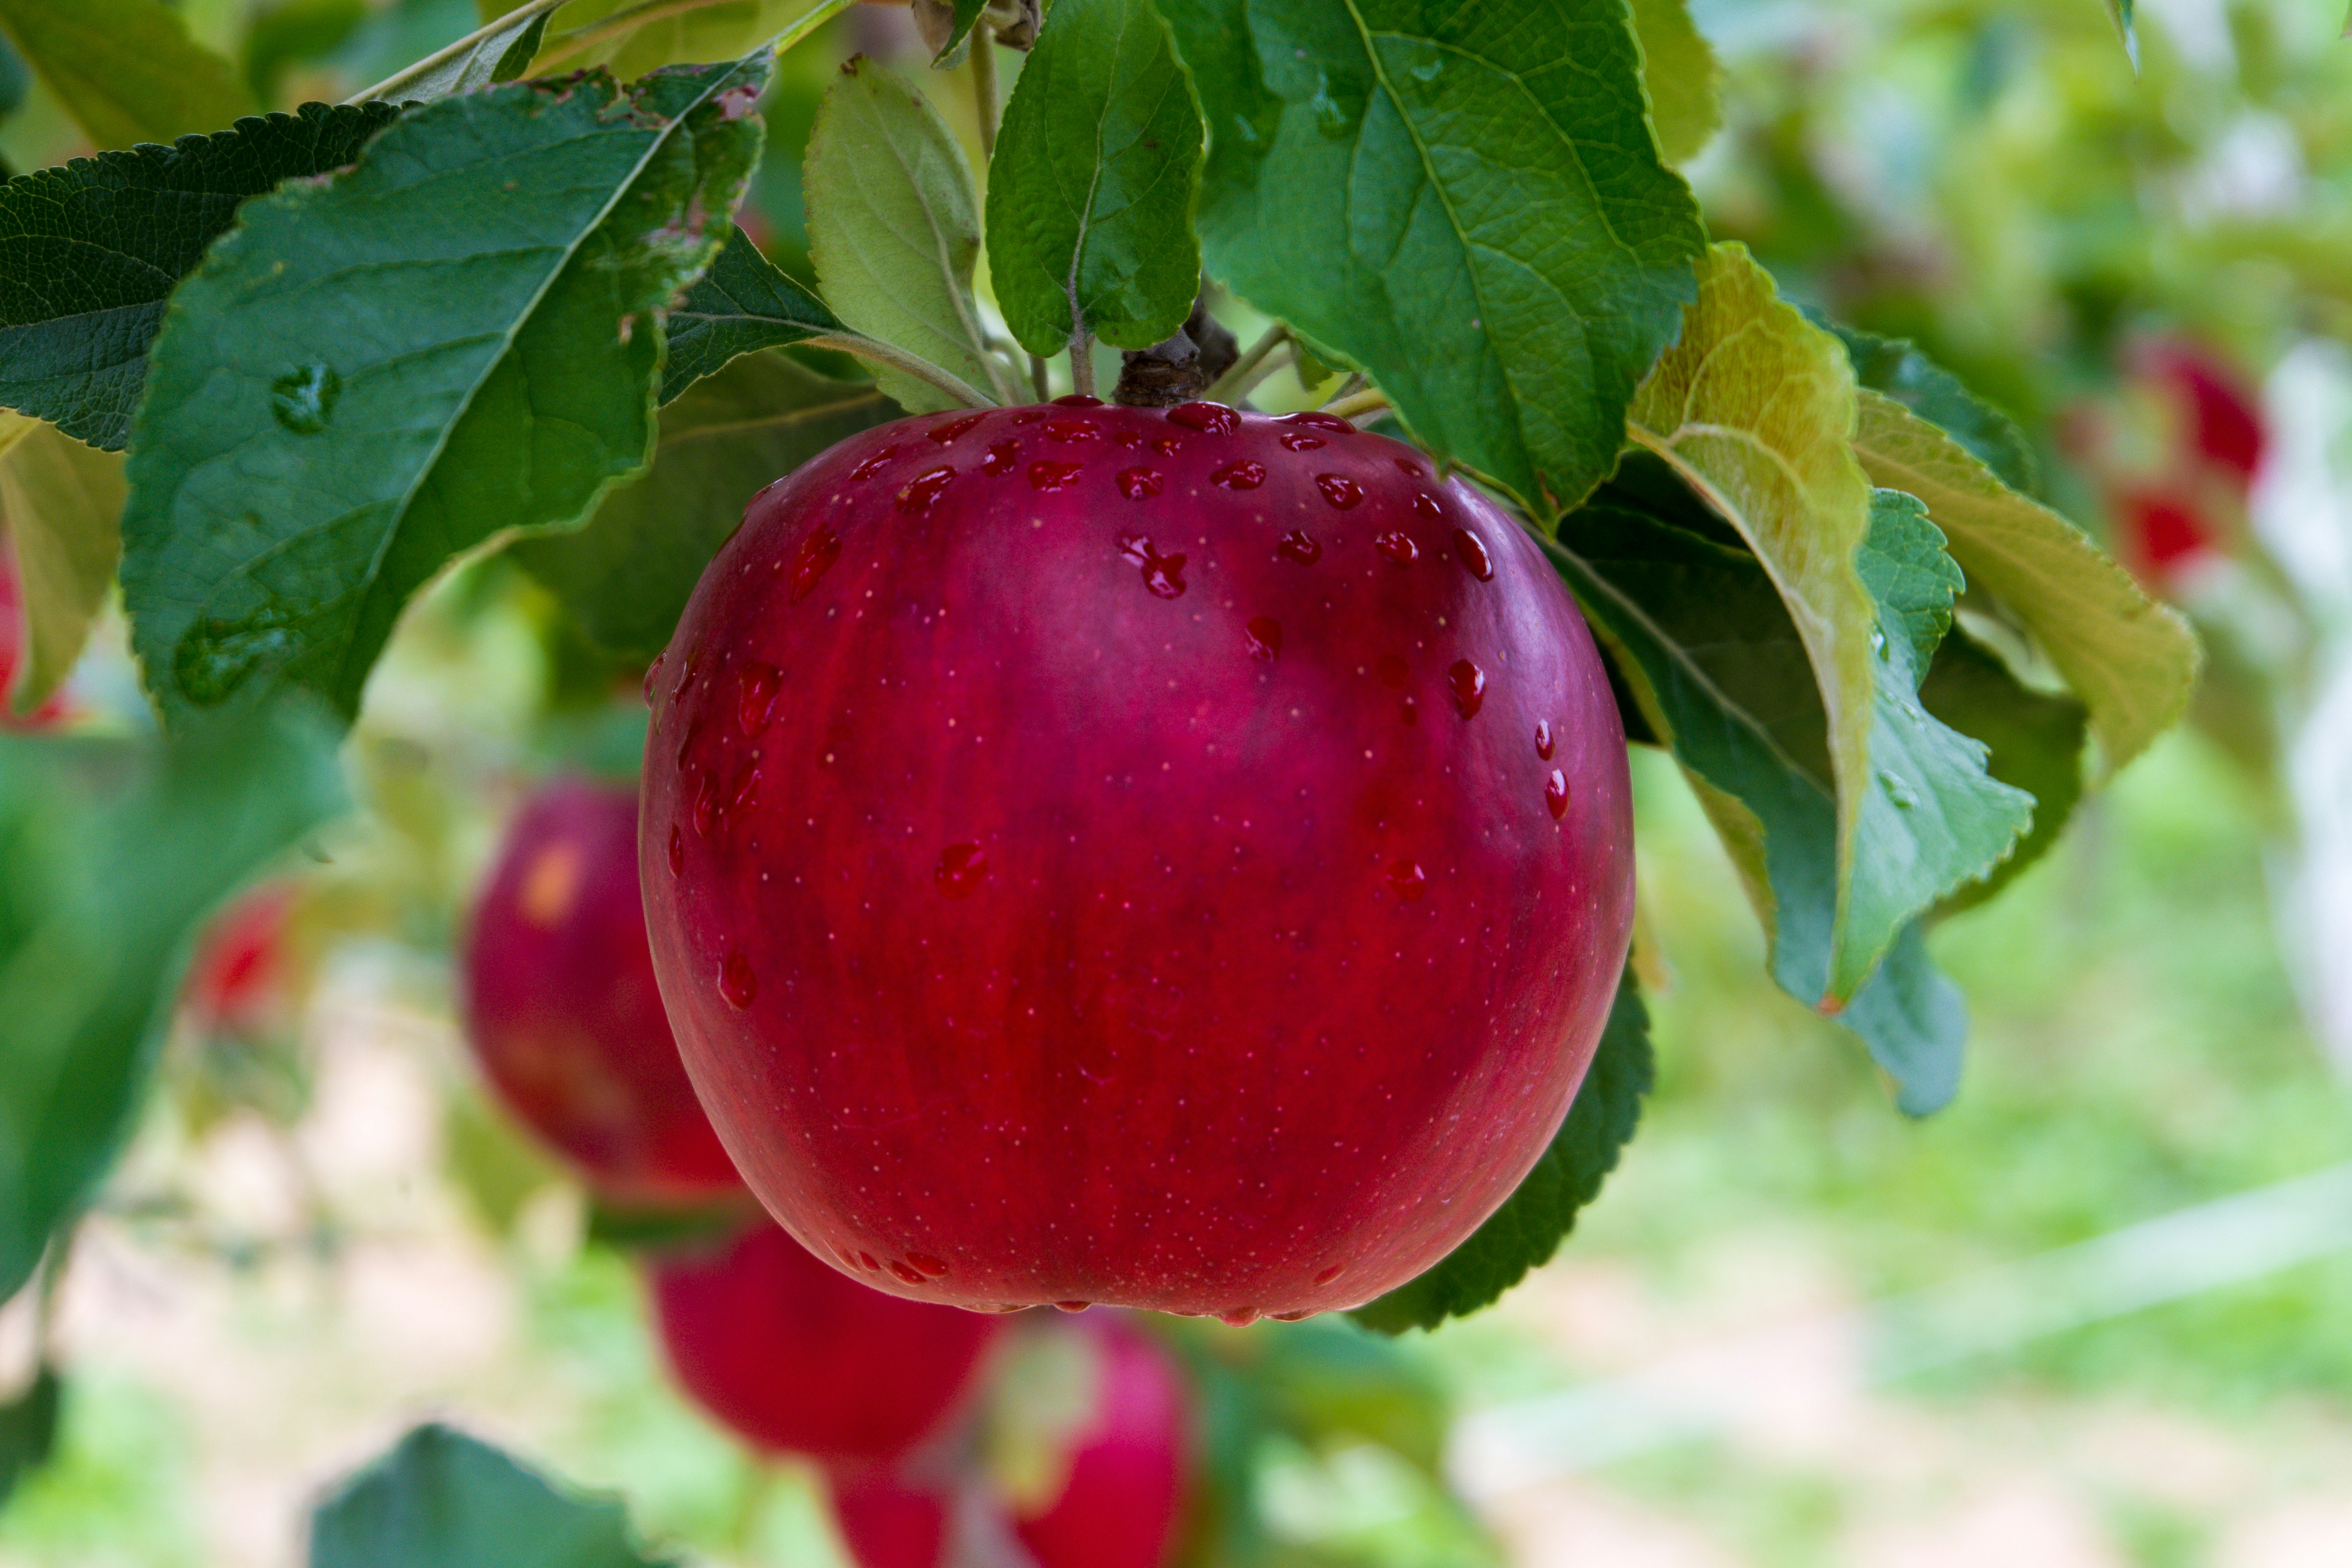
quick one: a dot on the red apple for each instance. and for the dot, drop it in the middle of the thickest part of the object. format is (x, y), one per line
(890, 1520)
(562, 1010)
(795, 1358)
(1094, 854)
(1129, 1465)
(2221, 414)
(238, 979)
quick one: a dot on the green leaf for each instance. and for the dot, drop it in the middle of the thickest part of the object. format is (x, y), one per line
(28, 1429)
(632, 37)
(125, 69)
(745, 302)
(101, 883)
(1719, 675)
(453, 1501)
(1680, 74)
(373, 374)
(626, 576)
(1751, 408)
(1327, 1386)
(1463, 200)
(60, 503)
(2120, 13)
(1533, 1221)
(1896, 367)
(2131, 662)
(893, 231)
(2036, 740)
(662, 1230)
(1090, 194)
(89, 251)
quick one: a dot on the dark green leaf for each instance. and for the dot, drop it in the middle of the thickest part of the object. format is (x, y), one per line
(894, 233)
(1090, 194)
(1705, 644)
(744, 302)
(89, 251)
(662, 1230)
(125, 69)
(626, 576)
(1896, 367)
(2036, 740)
(101, 883)
(1465, 200)
(1534, 1220)
(29, 1430)
(442, 1500)
(375, 374)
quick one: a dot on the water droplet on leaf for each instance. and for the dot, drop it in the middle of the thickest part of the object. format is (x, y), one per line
(304, 400)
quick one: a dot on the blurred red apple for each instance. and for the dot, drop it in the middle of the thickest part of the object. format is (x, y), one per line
(237, 980)
(1175, 858)
(794, 1358)
(562, 1010)
(1128, 1462)
(888, 1520)
(56, 709)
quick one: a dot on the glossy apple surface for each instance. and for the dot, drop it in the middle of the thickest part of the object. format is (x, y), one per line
(1128, 1465)
(562, 1011)
(796, 1357)
(1172, 858)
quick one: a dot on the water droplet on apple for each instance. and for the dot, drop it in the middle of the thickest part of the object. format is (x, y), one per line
(1398, 547)
(1049, 476)
(873, 465)
(1299, 441)
(931, 1266)
(1077, 400)
(1299, 545)
(1472, 551)
(1002, 459)
(1291, 1317)
(1543, 739)
(866, 1260)
(955, 429)
(706, 802)
(1409, 881)
(1140, 484)
(1556, 793)
(1265, 636)
(1241, 474)
(1316, 419)
(676, 851)
(1163, 574)
(653, 679)
(812, 560)
(1469, 686)
(737, 983)
(924, 488)
(1238, 1317)
(961, 869)
(757, 696)
(1330, 1274)
(1072, 1306)
(1210, 418)
(1426, 506)
(1339, 489)
(1410, 469)
(905, 1272)
(1072, 430)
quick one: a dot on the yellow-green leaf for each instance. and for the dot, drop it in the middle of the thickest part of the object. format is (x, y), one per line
(61, 503)
(893, 231)
(1680, 74)
(2131, 660)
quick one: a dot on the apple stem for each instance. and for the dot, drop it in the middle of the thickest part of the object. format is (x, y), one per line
(1236, 382)
(1372, 400)
(983, 87)
(1082, 364)
(1038, 377)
